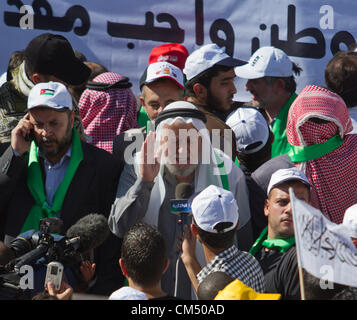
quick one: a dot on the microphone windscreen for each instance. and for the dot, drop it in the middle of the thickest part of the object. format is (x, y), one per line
(183, 190)
(92, 229)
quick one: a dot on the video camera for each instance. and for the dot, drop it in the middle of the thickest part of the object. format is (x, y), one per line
(37, 249)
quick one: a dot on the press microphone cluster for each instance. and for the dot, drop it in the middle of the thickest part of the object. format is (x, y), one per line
(181, 205)
(86, 234)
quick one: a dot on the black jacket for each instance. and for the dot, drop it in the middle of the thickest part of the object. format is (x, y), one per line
(92, 190)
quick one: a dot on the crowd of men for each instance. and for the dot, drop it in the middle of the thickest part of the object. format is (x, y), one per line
(75, 141)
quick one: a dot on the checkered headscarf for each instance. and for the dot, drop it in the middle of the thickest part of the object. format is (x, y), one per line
(105, 114)
(333, 176)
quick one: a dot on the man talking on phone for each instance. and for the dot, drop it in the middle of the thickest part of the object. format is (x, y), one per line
(48, 171)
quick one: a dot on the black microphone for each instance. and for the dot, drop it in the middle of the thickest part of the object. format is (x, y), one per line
(92, 231)
(180, 205)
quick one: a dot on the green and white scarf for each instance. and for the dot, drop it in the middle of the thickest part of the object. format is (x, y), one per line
(41, 209)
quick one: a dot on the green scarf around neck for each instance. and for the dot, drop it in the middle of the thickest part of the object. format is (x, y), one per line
(41, 209)
(307, 153)
(282, 245)
(280, 144)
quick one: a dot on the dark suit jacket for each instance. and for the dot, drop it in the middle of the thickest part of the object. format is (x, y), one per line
(92, 190)
(130, 140)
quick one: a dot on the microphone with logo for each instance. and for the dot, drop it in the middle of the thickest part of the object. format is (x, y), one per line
(181, 205)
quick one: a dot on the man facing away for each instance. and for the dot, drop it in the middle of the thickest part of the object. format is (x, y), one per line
(215, 218)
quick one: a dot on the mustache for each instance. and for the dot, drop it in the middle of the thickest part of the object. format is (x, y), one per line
(286, 217)
(44, 139)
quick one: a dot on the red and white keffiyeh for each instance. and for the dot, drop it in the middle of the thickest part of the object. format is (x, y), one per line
(333, 176)
(105, 114)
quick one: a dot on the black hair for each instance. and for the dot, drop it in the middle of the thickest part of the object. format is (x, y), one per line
(204, 78)
(209, 287)
(341, 76)
(221, 240)
(252, 161)
(16, 58)
(144, 254)
(289, 82)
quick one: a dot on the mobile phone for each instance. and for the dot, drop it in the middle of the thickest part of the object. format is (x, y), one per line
(30, 136)
(54, 274)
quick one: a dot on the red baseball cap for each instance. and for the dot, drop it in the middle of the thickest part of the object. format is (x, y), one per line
(173, 53)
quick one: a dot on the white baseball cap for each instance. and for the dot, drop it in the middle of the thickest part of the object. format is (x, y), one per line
(250, 128)
(162, 69)
(206, 57)
(51, 94)
(127, 293)
(350, 220)
(284, 175)
(266, 62)
(213, 206)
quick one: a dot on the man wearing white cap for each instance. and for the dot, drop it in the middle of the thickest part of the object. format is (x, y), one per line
(169, 157)
(210, 87)
(278, 237)
(215, 218)
(253, 138)
(270, 75)
(47, 171)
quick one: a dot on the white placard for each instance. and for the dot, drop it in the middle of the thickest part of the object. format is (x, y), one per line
(324, 248)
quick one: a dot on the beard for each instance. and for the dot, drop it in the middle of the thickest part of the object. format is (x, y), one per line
(218, 103)
(60, 146)
(181, 172)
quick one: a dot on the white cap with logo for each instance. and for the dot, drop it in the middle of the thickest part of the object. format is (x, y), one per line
(52, 95)
(162, 69)
(266, 62)
(206, 57)
(250, 128)
(284, 175)
(215, 210)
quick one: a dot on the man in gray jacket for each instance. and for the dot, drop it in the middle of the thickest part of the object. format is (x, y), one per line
(147, 185)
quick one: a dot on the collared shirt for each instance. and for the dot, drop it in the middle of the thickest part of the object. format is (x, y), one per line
(239, 265)
(54, 174)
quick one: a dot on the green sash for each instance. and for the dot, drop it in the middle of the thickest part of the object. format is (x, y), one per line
(280, 144)
(301, 154)
(222, 171)
(41, 209)
(282, 245)
(143, 117)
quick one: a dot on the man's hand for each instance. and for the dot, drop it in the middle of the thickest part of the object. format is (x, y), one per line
(188, 247)
(64, 293)
(188, 256)
(20, 141)
(87, 269)
(149, 162)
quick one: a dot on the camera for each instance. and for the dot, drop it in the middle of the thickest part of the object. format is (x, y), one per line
(39, 249)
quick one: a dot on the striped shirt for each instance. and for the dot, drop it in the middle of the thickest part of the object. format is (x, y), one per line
(239, 265)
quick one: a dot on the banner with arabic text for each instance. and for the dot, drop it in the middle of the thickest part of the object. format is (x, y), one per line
(120, 34)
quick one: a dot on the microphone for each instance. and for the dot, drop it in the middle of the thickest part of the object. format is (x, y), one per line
(180, 205)
(92, 231)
